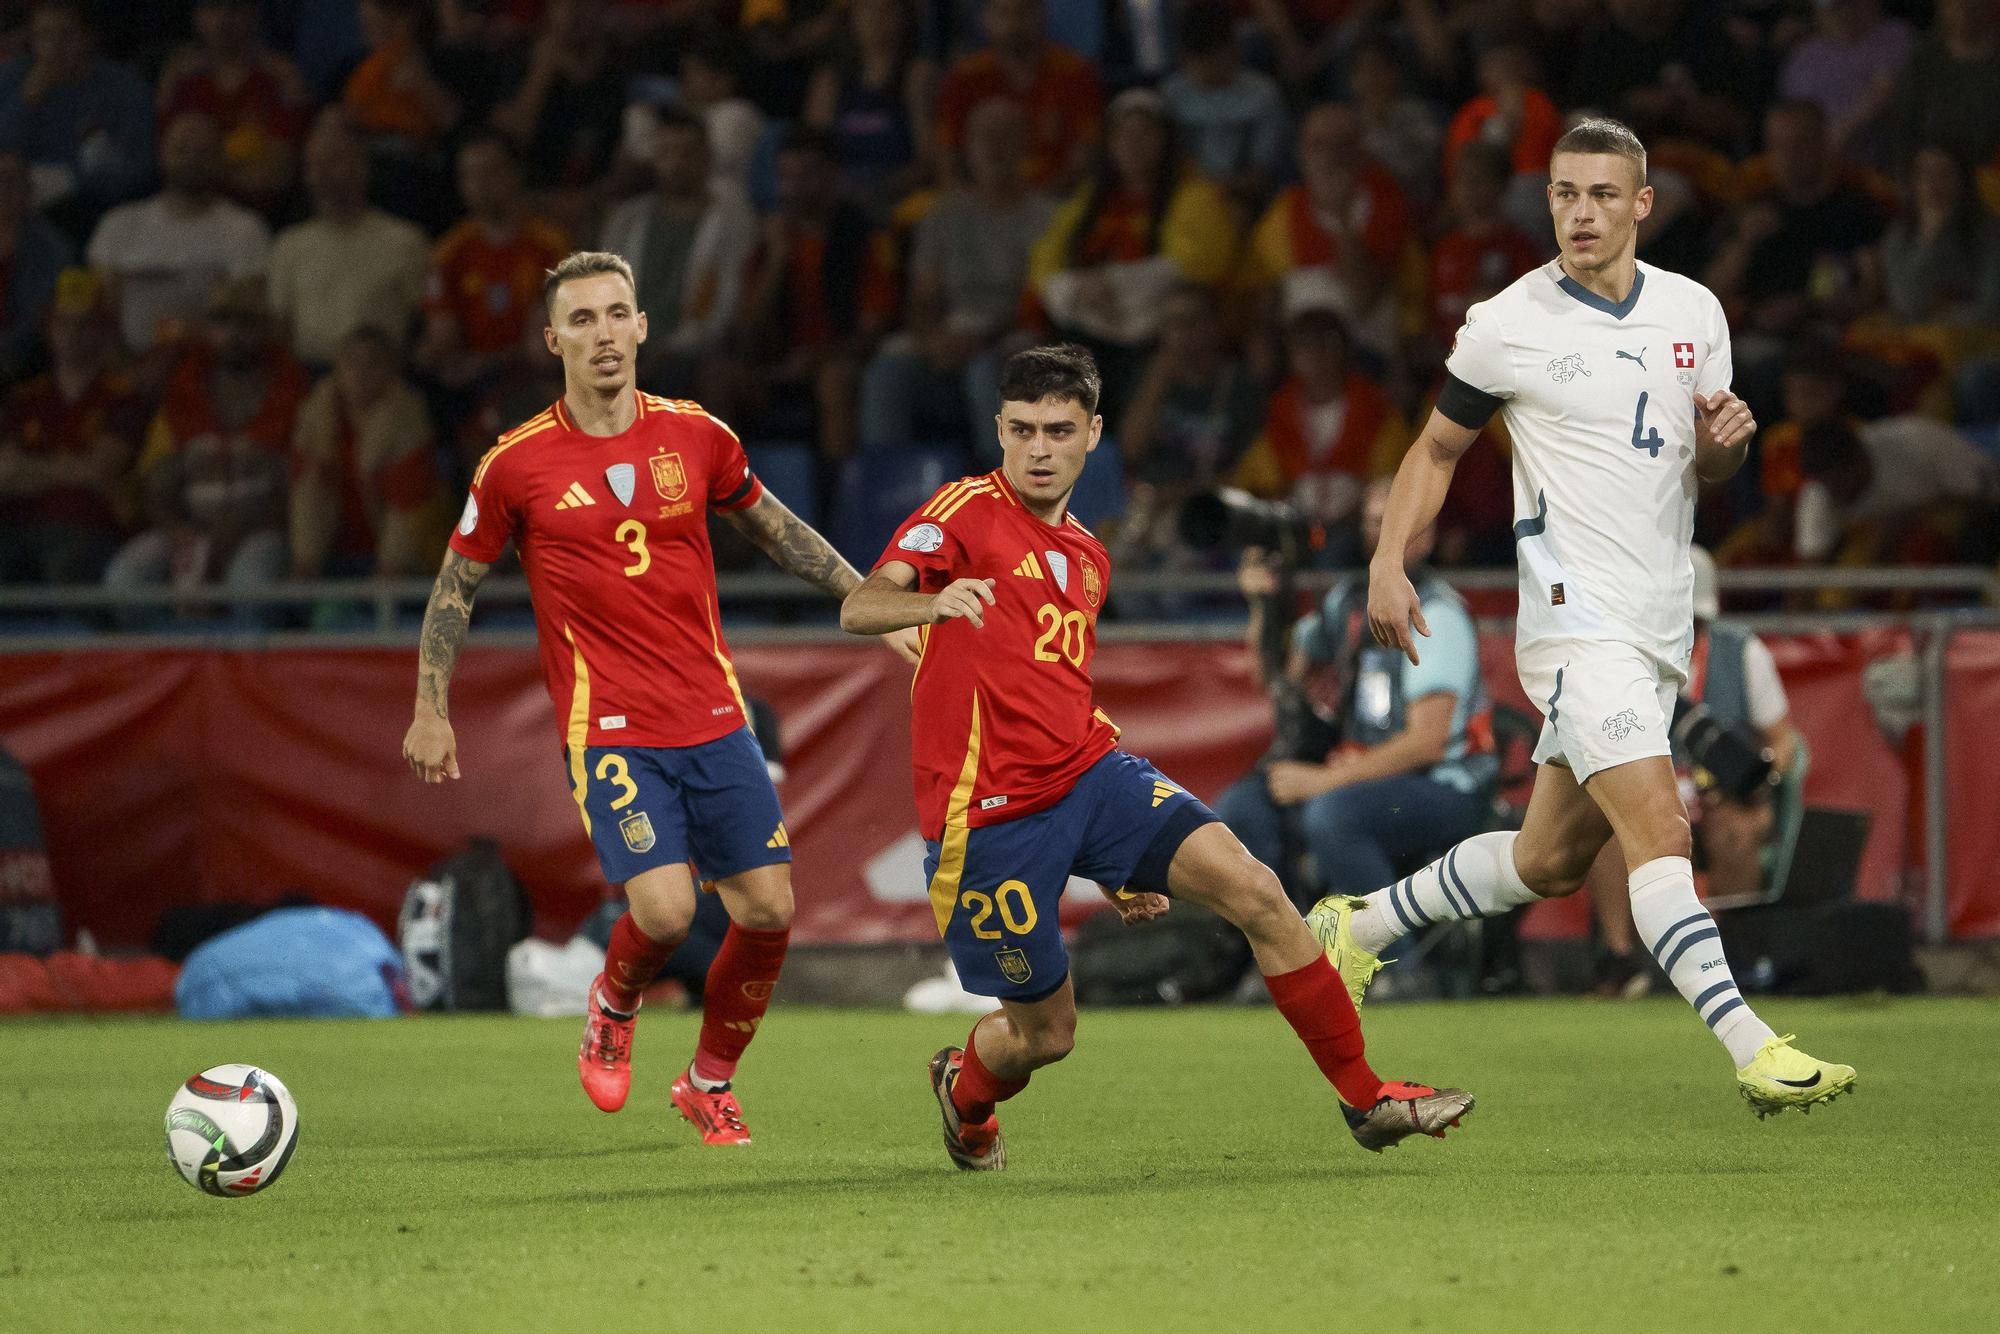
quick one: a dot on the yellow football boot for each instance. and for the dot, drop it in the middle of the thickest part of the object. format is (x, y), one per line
(1782, 1076)
(1331, 920)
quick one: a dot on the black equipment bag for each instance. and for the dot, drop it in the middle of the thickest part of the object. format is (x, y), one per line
(1824, 950)
(458, 922)
(1190, 954)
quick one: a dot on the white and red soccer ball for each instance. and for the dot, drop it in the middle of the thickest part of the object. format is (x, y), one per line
(231, 1129)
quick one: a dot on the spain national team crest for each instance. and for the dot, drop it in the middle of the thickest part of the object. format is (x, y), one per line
(638, 831)
(669, 477)
(1013, 966)
(621, 477)
(1093, 586)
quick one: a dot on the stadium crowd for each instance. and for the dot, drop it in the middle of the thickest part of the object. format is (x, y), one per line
(270, 274)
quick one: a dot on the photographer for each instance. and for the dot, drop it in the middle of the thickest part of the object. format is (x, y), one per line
(1378, 763)
(1743, 773)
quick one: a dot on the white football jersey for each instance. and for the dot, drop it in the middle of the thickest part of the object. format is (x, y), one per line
(1599, 400)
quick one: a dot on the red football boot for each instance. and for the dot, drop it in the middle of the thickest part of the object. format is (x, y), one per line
(716, 1115)
(975, 1146)
(605, 1060)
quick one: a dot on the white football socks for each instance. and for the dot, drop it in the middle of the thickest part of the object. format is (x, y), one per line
(1475, 879)
(1688, 948)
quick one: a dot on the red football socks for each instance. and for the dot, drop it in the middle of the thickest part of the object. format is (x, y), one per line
(1314, 1001)
(976, 1088)
(740, 982)
(632, 962)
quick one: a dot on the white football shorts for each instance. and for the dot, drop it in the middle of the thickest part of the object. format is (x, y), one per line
(1603, 703)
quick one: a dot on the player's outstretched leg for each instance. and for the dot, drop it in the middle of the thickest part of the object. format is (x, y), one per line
(1474, 879)
(1002, 1051)
(604, 1061)
(737, 993)
(1213, 869)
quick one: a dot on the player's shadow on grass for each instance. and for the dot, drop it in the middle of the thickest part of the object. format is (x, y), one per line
(537, 1152)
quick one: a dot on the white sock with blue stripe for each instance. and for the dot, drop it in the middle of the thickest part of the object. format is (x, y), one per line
(1475, 879)
(1688, 948)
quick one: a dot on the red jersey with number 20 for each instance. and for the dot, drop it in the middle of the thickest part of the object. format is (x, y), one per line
(1003, 721)
(613, 535)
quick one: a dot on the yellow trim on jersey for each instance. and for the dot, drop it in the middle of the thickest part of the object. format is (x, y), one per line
(533, 427)
(579, 729)
(1105, 718)
(688, 407)
(945, 493)
(957, 813)
(728, 667)
(997, 476)
(964, 498)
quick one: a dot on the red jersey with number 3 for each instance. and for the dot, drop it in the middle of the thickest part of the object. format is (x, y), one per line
(613, 535)
(1003, 721)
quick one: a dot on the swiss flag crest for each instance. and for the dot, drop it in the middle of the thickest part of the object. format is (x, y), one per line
(1683, 356)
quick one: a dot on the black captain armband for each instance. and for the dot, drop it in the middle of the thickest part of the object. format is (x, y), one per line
(736, 497)
(1469, 407)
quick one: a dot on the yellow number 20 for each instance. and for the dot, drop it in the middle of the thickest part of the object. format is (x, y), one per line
(1072, 626)
(1017, 909)
(633, 534)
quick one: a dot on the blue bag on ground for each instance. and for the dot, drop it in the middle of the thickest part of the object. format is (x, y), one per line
(322, 963)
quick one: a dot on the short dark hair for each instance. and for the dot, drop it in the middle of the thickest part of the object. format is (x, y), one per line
(1601, 134)
(584, 264)
(1055, 370)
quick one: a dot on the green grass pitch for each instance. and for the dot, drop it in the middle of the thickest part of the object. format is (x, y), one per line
(1184, 1170)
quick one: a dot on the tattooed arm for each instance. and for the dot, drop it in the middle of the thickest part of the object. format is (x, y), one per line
(429, 746)
(796, 548)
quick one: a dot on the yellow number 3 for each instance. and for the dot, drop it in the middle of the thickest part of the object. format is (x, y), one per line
(633, 534)
(613, 768)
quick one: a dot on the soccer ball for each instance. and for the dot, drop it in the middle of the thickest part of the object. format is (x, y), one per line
(231, 1129)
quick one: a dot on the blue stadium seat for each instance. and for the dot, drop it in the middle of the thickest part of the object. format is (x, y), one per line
(791, 471)
(1100, 492)
(878, 491)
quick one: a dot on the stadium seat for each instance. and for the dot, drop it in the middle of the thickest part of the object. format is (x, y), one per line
(791, 471)
(878, 491)
(1100, 492)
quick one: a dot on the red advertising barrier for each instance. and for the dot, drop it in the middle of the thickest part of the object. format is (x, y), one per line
(186, 776)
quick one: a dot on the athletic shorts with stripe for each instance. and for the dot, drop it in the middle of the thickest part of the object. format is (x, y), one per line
(648, 806)
(997, 890)
(1605, 703)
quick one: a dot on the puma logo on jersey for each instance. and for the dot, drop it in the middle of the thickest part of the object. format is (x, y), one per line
(1564, 369)
(1627, 356)
(1029, 568)
(575, 497)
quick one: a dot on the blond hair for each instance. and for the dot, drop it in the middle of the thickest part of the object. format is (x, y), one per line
(583, 264)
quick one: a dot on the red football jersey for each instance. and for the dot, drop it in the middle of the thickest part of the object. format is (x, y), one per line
(613, 535)
(1002, 720)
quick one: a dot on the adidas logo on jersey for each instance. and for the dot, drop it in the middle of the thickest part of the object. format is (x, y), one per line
(1029, 568)
(1161, 791)
(575, 497)
(779, 840)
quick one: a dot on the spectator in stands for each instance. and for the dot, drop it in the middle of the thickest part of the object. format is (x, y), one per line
(68, 439)
(483, 302)
(1398, 129)
(1339, 237)
(1796, 253)
(1813, 391)
(785, 41)
(32, 253)
(1668, 67)
(1401, 757)
(213, 472)
(968, 269)
(1511, 112)
(164, 255)
(1848, 66)
(1328, 432)
(565, 111)
(349, 264)
(365, 495)
(1940, 258)
(821, 292)
(1142, 222)
(1194, 411)
(1057, 90)
(711, 87)
(394, 92)
(84, 123)
(1482, 252)
(1901, 490)
(873, 97)
(255, 94)
(1230, 119)
(689, 243)
(1945, 96)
